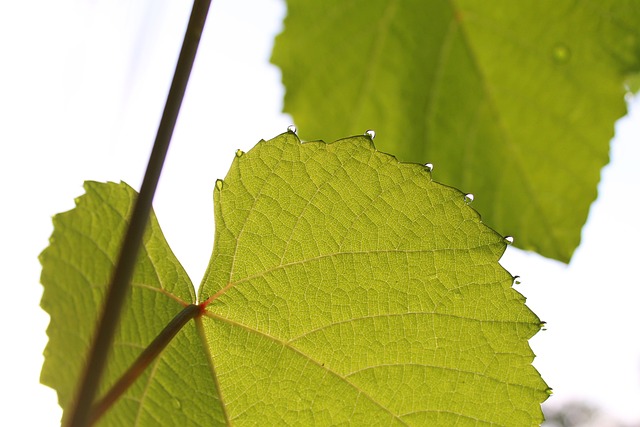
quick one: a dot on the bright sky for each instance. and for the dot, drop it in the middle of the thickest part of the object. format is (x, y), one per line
(82, 86)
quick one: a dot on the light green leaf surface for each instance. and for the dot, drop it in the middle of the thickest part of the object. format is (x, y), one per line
(514, 101)
(344, 288)
(76, 269)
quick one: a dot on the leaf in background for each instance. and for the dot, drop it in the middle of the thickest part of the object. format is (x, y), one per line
(514, 100)
(344, 287)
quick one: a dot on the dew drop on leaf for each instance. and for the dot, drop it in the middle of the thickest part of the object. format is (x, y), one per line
(239, 153)
(219, 184)
(371, 133)
(516, 280)
(176, 404)
(468, 198)
(429, 166)
(561, 53)
(508, 240)
(292, 129)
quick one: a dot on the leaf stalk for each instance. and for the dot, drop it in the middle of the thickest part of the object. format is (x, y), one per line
(144, 360)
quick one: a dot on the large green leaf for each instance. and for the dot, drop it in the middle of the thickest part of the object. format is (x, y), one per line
(344, 288)
(513, 100)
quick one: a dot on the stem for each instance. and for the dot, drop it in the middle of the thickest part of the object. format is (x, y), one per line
(143, 361)
(118, 287)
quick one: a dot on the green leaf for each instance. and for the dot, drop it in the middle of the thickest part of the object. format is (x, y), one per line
(513, 100)
(344, 288)
(76, 269)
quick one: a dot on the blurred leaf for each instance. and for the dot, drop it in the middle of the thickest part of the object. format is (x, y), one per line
(513, 100)
(632, 83)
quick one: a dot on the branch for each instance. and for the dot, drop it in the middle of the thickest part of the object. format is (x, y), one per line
(118, 287)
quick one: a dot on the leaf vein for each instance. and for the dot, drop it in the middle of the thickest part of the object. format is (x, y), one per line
(285, 344)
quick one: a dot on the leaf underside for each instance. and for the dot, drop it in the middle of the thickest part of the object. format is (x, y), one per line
(344, 288)
(514, 101)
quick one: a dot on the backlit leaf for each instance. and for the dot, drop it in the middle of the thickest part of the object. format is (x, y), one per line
(344, 288)
(514, 101)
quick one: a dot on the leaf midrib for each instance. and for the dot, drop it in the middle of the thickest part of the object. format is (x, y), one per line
(516, 155)
(232, 284)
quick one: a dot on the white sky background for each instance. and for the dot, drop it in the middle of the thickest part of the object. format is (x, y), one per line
(82, 87)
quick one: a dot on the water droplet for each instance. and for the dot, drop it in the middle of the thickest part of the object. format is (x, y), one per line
(429, 166)
(516, 280)
(468, 198)
(371, 133)
(549, 391)
(508, 240)
(176, 403)
(561, 53)
(292, 129)
(219, 184)
(543, 325)
(239, 153)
